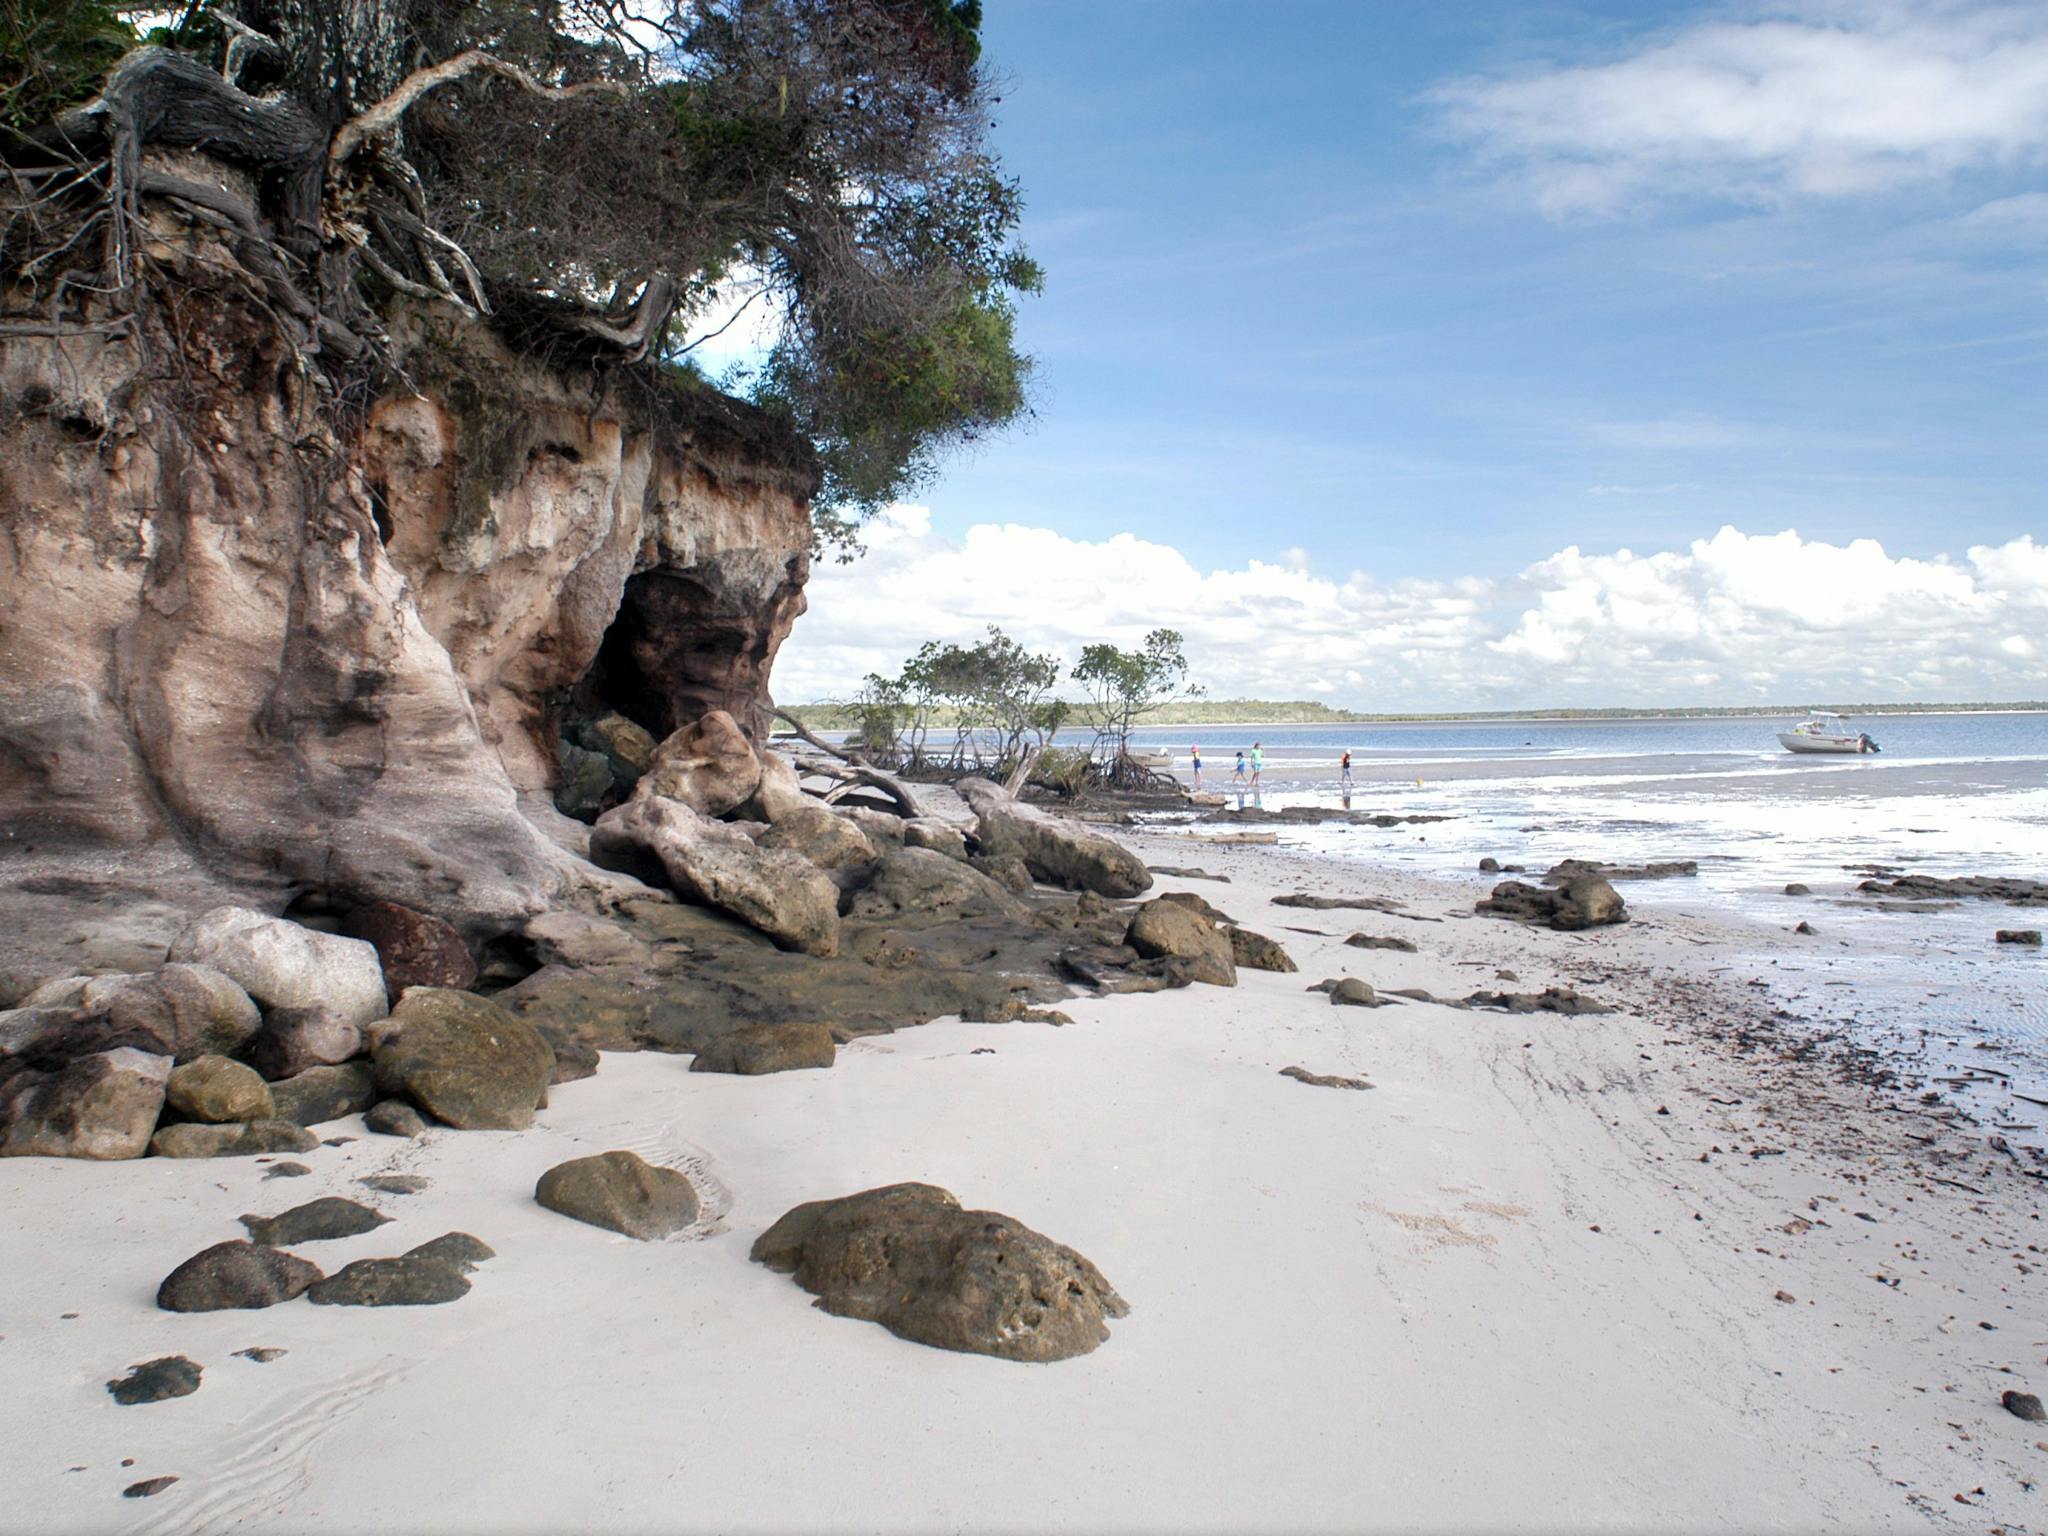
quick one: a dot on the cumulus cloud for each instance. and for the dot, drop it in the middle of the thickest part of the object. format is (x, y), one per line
(1734, 618)
(1819, 99)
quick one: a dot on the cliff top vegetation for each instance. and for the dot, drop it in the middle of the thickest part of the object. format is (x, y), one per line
(587, 175)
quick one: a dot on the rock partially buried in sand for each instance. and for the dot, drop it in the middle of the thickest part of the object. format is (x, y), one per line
(1256, 952)
(215, 1090)
(1379, 941)
(149, 1487)
(401, 1282)
(456, 1249)
(1163, 928)
(320, 1094)
(235, 1276)
(1565, 1000)
(1796, 889)
(102, 1106)
(768, 1048)
(463, 1059)
(395, 1117)
(282, 965)
(621, 1192)
(2023, 1405)
(192, 1139)
(1348, 992)
(156, 1380)
(315, 1221)
(908, 1257)
(2028, 936)
(1586, 902)
(1322, 1079)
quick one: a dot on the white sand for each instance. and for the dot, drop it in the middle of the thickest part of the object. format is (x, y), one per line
(1380, 1310)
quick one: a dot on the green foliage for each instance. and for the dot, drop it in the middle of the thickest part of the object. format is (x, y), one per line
(1125, 686)
(53, 55)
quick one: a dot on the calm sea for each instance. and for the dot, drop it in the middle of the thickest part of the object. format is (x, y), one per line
(1950, 794)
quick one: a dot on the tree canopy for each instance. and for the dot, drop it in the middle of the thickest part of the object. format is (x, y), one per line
(585, 169)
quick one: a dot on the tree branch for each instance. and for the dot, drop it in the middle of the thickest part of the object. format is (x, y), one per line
(382, 120)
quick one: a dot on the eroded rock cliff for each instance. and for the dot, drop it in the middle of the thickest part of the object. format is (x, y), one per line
(270, 648)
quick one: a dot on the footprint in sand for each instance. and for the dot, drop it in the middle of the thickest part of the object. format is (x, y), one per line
(1435, 1231)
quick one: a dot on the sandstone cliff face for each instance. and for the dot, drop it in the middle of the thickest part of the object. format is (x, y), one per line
(245, 656)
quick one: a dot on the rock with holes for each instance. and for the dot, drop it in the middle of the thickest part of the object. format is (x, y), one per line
(101, 1106)
(768, 1048)
(283, 965)
(415, 949)
(1059, 852)
(939, 836)
(708, 765)
(218, 1091)
(621, 1192)
(828, 839)
(781, 893)
(235, 1276)
(1162, 929)
(316, 1221)
(463, 1059)
(908, 1257)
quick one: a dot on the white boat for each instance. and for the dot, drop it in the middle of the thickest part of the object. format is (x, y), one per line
(1825, 732)
(1158, 760)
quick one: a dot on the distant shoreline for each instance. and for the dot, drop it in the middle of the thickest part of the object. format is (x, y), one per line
(1283, 714)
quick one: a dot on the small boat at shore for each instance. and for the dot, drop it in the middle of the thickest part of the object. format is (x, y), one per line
(1825, 732)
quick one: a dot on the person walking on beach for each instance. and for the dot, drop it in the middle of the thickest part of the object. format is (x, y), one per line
(1258, 762)
(1195, 756)
(1238, 777)
(1344, 769)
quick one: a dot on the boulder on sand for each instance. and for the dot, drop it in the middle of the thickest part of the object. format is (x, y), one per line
(1348, 992)
(101, 1106)
(216, 1090)
(320, 1094)
(1059, 852)
(1165, 928)
(463, 1059)
(908, 1257)
(191, 1139)
(282, 965)
(768, 1048)
(781, 893)
(194, 1010)
(1256, 952)
(316, 1221)
(234, 1276)
(708, 765)
(410, 1280)
(395, 1117)
(156, 1380)
(414, 948)
(621, 1192)
(1586, 902)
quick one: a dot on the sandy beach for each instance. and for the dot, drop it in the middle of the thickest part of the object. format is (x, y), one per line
(1640, 1270)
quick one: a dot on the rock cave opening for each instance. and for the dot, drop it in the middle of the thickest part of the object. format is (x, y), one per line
(683, 643)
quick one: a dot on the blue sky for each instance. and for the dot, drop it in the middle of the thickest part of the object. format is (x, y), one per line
(1412, 300)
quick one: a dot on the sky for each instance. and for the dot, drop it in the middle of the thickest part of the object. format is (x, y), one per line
(1501, 355)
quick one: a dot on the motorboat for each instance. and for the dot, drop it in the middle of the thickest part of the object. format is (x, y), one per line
(1825, 732)
(1160, 761)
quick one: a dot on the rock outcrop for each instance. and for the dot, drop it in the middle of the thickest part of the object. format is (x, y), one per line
(259, 660)
(1586, 902)
(103, 1105)
(1057, 851)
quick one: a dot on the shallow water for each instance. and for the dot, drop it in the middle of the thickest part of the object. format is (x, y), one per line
(1949, 795)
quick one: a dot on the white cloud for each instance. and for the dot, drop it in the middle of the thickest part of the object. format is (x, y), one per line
(1815, 99)
(1733, 618)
